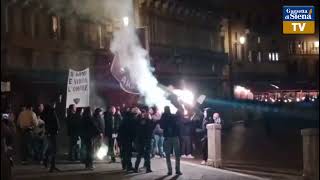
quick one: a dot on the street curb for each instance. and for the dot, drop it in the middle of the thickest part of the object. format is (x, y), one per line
(224, 171)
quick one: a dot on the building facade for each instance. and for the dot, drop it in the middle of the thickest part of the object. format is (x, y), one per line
(39, 45)
(262, 56)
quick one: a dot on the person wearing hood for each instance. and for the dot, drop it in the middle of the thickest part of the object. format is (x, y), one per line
(144, 130)
(171, 132)
(52, 128)
(126, 137)
(112, 120)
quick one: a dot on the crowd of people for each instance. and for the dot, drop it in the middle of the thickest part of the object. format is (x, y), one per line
(144, 131)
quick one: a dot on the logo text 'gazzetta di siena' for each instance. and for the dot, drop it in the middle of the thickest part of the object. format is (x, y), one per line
(298, 19)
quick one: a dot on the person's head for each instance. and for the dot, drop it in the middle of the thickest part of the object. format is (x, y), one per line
(79, 110)
(167, 110)
(112, 110)
(151, 111)
(23, 108)
(215, 115)
(87, 112)
(155, 109)
(136, 111)
(29, 107)
(40, 107)
(145, 114)
(98, 112)
(53, 104)
(72, 108)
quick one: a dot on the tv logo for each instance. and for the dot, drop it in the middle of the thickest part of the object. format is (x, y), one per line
(298, 20)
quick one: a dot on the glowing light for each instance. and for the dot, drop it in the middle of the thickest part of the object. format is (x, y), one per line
(289, 100)
(298, 99)
(312, 99)
(285, 101)
(125, 21)
(102, 151)
(185, 96)
(316, 44)
(242, 40)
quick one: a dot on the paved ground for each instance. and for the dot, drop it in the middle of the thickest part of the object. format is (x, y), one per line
(104, 171)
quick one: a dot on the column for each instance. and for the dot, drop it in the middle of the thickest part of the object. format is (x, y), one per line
(310, 153)
(214, 145)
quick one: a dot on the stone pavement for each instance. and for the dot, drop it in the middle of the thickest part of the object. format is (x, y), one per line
(75, 171)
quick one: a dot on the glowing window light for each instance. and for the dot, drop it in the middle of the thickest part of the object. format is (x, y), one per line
(269, 56)
(316, 44)
(277, 56)
(273, 57)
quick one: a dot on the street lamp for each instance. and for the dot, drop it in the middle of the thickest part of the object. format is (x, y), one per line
(125, 21)
(316, 44)
(242, 39)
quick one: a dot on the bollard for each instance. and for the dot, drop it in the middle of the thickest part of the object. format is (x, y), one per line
(310, 153)
(214, 145)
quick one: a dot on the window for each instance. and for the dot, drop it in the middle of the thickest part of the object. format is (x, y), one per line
(259, 40)
(54, 27)
(259, 56)
(277, 56)
(250, 55)
(100, 36)
(25, 21)
(63, 29)
(270, 56)
(273, 56)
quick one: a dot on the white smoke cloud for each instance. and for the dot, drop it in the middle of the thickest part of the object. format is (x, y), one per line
(134, 58)
(125, 42)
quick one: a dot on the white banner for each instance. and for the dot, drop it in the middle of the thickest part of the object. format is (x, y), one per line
(78, 88)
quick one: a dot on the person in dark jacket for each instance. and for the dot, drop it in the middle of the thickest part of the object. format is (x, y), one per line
(185, 135)
(52, 127)
(112, 121)
(90, 131)
(7, 132)
(98, 123)
(71, 128)
(207, 119)
(76, 133)
(144, 130)
(126, 138)
(171, 132)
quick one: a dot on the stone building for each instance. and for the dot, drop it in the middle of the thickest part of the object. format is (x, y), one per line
(266, 56)
(38, 46)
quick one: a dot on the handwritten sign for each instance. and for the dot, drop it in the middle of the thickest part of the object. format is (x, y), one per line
(78, 88)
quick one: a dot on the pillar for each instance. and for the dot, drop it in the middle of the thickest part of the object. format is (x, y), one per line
(214, 145)
(310, 153)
